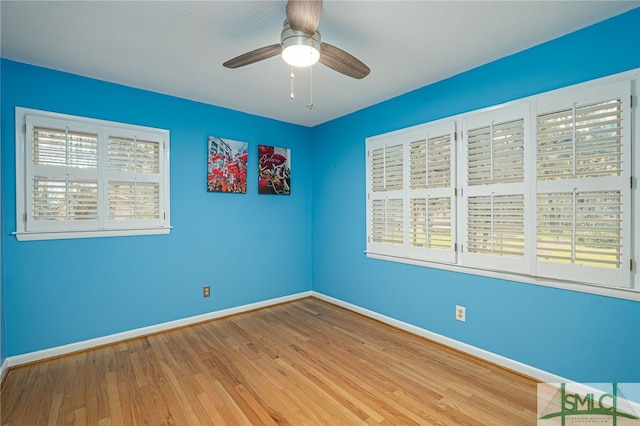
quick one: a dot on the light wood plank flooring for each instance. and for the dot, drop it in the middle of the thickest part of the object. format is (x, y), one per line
(301, 363)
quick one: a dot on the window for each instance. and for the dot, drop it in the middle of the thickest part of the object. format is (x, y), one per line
(541, 191)
(78, 177)
(412, 193)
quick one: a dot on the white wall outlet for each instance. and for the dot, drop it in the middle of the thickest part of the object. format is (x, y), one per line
(461, 313)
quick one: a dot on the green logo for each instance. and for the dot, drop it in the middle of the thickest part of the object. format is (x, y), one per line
(588, 405)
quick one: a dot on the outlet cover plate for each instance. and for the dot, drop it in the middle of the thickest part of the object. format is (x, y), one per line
(461, 313)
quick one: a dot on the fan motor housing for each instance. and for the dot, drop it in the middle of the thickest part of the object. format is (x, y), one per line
(294, 39)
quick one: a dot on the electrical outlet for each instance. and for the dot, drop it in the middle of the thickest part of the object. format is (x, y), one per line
(461, 313)
(206, 291)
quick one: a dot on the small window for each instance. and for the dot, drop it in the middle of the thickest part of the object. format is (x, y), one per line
(78, 177)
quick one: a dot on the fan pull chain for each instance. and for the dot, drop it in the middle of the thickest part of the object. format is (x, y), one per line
(292, 77)
(311, 105)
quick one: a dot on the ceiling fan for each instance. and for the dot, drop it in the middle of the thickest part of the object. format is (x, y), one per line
(300, 44)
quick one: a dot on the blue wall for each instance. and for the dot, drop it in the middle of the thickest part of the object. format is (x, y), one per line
(3, 352)
(252, 248)
(249, 247)
(577, 336)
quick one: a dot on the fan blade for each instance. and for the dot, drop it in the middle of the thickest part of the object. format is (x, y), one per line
(304, 15)
(254, 56)
(341, 61)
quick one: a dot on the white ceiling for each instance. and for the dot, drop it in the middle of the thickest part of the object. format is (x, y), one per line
(178, 47)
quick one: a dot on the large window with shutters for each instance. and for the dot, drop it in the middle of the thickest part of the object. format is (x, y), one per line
(539, 190)
(79, 177)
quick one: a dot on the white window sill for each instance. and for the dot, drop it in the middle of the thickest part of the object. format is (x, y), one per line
(35, 236)
(617, 292)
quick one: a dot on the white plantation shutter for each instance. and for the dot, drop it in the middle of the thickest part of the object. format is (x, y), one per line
(64, 199)
(411, 201)
(387, 168)
(134, 155)
(582, 228)
(496, 225)
(496, 153)
(495, 191)
(581, 141)
(61, 175)
(64, 146)
(79, 177)
(430, 225)
(430, 159)
(583, 198)
(134, 190)
(430, 196)
(387, 226)
(385, 198)
(134, 200)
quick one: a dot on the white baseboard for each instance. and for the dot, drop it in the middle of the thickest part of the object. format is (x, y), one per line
(508, 363)
(516, 366)
(144, 331)
(3, 370)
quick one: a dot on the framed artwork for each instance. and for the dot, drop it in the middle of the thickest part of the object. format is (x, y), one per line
(227, 166)
(274, 170)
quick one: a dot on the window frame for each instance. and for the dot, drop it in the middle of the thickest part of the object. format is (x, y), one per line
(103, 226)
(529, 274)
(405, 138)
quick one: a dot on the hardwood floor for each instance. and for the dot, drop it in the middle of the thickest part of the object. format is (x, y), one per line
(301, 363)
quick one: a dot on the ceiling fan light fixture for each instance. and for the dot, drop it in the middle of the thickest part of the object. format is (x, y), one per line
(300, 55)
(300, 44)
(299, 49)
